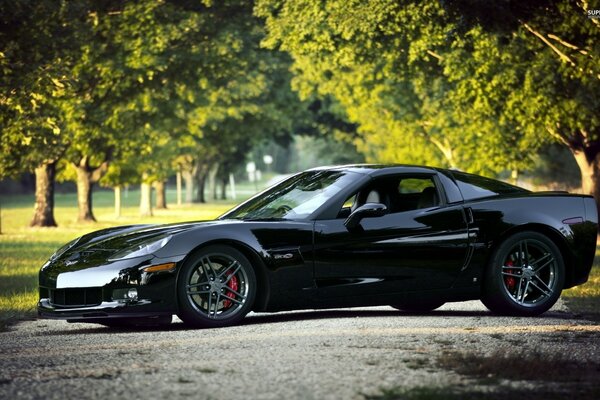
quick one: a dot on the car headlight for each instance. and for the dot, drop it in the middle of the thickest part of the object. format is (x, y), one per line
(64, 249)
(142, 249)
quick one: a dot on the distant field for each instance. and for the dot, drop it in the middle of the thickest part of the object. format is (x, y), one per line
(23, 250)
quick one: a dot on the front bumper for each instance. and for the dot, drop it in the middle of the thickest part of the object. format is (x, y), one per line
(163, 305)
(83, 292)
(105, 310)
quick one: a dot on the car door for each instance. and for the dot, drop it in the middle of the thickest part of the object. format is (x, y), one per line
(420, 244)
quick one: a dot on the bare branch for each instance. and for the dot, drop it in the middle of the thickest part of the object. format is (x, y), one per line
(562, 55)
(434, 54)
(567, 44)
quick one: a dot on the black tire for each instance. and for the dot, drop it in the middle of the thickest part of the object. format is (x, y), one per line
(525, 275)
(418, 306)
(215, 288)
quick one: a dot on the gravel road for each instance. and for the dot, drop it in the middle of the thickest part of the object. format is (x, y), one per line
(460, 350)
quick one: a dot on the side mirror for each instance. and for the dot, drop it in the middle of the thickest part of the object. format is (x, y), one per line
(368, 210)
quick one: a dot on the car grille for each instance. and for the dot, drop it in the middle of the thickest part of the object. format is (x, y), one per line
(75, 297)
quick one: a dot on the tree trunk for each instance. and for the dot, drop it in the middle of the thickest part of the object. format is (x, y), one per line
(224, 181)
(43, 214)
(188, 178)
(212, 182)
(87, 176)
(589, 165)
(145, 199)
(179, 187)
(117, 190)
(200, 190)
(84, 195)
(161, 194)
(232, 184)
(201, 175)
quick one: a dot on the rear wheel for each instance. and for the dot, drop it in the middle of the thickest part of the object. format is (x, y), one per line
(525, 276)
(418, 306)
(216, 287)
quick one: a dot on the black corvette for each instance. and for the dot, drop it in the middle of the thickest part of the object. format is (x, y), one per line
(364, 235)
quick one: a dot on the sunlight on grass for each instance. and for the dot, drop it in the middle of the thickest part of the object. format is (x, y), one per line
(23, 250)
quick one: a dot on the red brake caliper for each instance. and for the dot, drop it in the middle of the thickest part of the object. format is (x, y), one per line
(233, 284)
(510, 280)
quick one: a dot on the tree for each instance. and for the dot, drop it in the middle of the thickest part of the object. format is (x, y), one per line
(482, 88)
(39, 41)
(385, 63)
(147, 85)
(244, 100)
(561, 91)
(109, 78)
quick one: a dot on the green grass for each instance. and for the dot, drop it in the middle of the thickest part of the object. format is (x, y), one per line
(23, 250)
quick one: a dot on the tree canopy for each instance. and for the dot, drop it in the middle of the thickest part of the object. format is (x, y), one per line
(468, 84)
(129, 89)
(129, 92)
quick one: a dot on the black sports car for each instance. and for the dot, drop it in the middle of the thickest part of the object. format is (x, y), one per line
(363, 235)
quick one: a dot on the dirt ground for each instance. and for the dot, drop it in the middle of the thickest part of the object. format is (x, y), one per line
(459, 351)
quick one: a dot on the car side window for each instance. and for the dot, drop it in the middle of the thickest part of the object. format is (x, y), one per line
(348, 207)
(414, 185)
(398, 193)
(415, 193)
(476, 187)
(350, 201)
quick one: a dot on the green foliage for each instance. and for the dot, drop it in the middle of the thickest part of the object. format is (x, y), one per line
(144, 87)
(464, 84)
(195, 87)
(38, 46)
(154, 86)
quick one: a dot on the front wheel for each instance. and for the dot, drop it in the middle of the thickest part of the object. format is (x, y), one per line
(525, 276)
(216, 287)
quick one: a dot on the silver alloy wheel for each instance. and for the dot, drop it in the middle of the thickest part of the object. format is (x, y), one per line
(529, 273)
(218, 286)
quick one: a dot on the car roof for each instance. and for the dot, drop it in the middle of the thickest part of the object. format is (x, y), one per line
(379, 169)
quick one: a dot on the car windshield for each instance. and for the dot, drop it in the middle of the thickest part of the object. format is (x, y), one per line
(295, 198)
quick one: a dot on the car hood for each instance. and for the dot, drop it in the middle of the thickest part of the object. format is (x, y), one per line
(104, 242)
